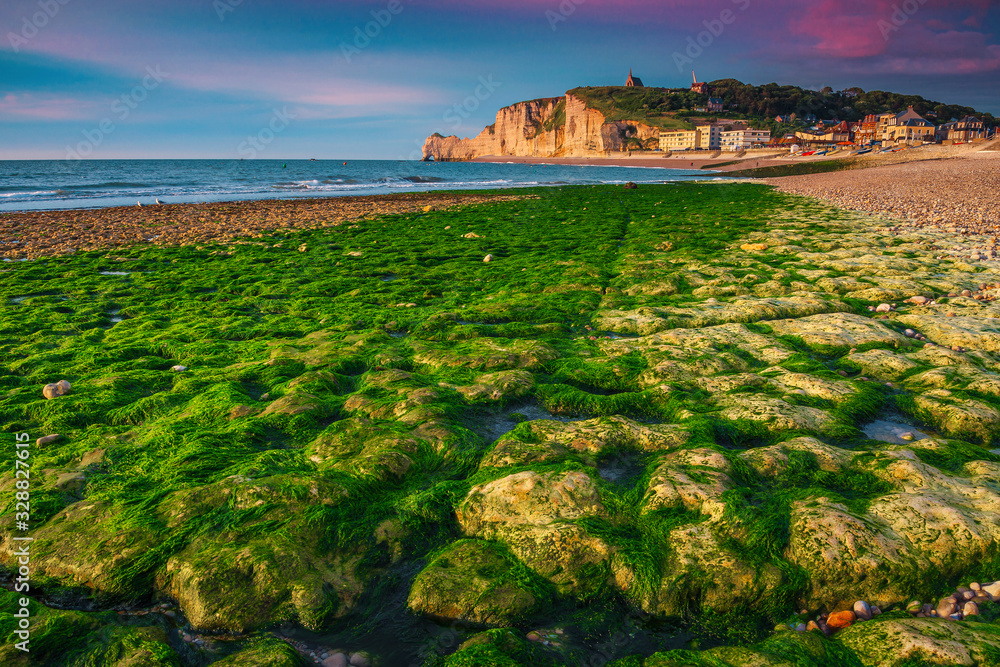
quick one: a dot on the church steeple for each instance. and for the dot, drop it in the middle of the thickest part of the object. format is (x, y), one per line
(633, 81)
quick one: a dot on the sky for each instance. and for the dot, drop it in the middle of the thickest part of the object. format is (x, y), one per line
(358, 79)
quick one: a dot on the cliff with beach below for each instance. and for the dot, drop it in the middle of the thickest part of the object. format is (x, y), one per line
(550, 127)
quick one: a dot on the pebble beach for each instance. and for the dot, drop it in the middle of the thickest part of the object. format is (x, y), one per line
(34, 234)
(958, 194)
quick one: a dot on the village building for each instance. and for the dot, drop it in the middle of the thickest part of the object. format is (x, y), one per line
(867, 130)
(700, 88)
(633, 81)
(888, 122)
(709, 136)
(678, 140)
(969, 128)
(744, 139)
(715, 104)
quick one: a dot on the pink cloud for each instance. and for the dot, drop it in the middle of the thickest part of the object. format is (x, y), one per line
(35, 107)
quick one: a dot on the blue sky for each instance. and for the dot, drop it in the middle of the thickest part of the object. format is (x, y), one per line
(198, 78)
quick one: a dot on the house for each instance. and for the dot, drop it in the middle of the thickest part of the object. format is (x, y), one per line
(633, 81)
(907, 126)
(744, 138)
(715, 104)
(700, 88)
(867, 130)
(969, 128)
(888, 122)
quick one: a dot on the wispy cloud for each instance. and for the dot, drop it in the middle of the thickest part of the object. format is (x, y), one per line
(29, 106)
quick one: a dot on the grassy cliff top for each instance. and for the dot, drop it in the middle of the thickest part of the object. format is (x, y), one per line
(654, 106)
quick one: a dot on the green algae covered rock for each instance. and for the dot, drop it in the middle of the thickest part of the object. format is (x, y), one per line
(535, 515)
(266, 652)
(896, 642)
(785, 649)
(79, 639)
(474, 581)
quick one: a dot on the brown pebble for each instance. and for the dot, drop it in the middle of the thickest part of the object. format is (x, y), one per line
(841, 619)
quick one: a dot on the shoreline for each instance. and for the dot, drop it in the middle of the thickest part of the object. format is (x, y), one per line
(48, 233)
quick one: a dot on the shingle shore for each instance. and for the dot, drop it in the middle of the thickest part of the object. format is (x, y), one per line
(34, 234)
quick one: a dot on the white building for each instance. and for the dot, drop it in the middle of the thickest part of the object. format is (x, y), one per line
(709, 137)
(738, 140)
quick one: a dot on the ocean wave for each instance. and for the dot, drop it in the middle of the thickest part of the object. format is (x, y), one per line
(425, 179)
(38, 193)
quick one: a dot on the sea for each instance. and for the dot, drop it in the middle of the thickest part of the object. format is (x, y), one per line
(64, 184)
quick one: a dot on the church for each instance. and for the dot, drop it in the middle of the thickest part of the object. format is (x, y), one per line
(633, 81)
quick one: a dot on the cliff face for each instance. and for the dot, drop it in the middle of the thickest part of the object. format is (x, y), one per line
(551, 127)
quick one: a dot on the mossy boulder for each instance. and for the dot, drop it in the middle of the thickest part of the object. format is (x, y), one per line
(264, 652)
(776, 415)
(837, 332)
(484, 354)
(533, 513)
(897, 642)
(785, 649)
(957, 416)
(473, 581)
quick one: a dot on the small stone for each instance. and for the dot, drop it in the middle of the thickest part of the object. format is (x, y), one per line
(970, 608)
(187, 637)
(753, 247)
(55, 389)
(975, 586)
(863, 610)
(906, 436)
(966, 292)
(359, 660)
(488, 258)
(813, 626)
(918, 300)
(968, 595)
(841, 619)
(534, 636)
(946, 608)
(170, 614)
(909, 333)
(876, 611)
(952, 315)
(335, 660)
(993, 590)
(801, 627)
(178, 368)
(48, 439)
(883, 308)
(631, 186)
